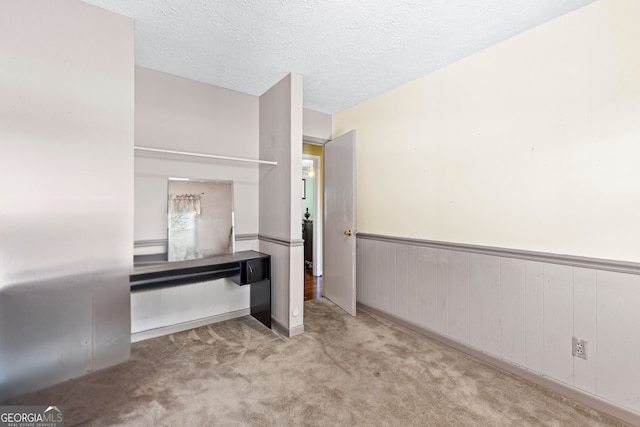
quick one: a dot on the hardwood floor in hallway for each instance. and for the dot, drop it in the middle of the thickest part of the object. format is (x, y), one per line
(312, 285)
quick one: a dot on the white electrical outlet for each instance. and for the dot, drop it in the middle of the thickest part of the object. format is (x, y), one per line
(579, 348)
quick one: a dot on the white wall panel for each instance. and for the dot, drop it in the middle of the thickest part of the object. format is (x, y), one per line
(484, 303)
(534, 316)
(558, 322)
(618, 350)
(458, 298)
(247, 245)
(513, 310)
(585, 327)
(170, 306)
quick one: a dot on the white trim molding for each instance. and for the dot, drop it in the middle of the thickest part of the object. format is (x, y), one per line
(572, 260)
(281, 241)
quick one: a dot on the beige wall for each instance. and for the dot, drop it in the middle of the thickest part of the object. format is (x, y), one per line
(530, 144)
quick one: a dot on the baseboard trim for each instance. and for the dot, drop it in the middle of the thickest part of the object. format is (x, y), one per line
(185, 326)
(580, 396)
(296, 331)
(571, 260)
(282, 330)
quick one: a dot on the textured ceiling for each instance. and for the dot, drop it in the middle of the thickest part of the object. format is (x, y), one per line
(346, 50)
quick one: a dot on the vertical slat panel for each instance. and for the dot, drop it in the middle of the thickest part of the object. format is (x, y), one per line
(359, 268)
(412, 263)
(402, 281)
(558, 322)
(428, 291)
(584, 327)
(391, 277)
(534, 316)
(458, 316)
(284, 286)
(618, 352)
(443, 290)
(382, 262)
(484, 302)
(369, 284)
(512, 306)
(296, 287)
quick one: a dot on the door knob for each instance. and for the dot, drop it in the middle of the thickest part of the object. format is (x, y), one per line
(347, 232)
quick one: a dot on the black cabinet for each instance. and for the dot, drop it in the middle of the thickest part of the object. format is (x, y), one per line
(253, 270)
(261, 301)
(307, 236)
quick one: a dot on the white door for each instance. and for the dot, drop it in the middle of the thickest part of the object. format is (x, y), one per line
(339, 275)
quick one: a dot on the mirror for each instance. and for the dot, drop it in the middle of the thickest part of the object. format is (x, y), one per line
(200, 219)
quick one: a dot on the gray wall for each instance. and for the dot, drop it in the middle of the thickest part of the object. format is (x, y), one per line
(519, 307)
(66, 136)
(316, 126)
(179, 114)
(175, 113)
(280, 198)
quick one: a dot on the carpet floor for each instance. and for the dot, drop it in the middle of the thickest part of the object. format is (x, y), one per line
(343, 371)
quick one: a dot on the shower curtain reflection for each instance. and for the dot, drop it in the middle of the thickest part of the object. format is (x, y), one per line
(200, 219)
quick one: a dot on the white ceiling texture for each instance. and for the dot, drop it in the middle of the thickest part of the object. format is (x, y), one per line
(346, 50)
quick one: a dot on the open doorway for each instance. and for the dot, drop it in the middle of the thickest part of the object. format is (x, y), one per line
(312, 219)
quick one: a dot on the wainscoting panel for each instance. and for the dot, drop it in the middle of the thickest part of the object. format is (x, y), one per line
(287, 283)
(428, 289)
(484, 313)
(369, 283)
(359, 267)
(412, 283)
(383, 285)
(516, 307)
(443, 291)
(585, 327)
(279, 280)
(558, 322)
(458, 298)
(534, 315)
(512, 315)
(402, 281)
(618, 313)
